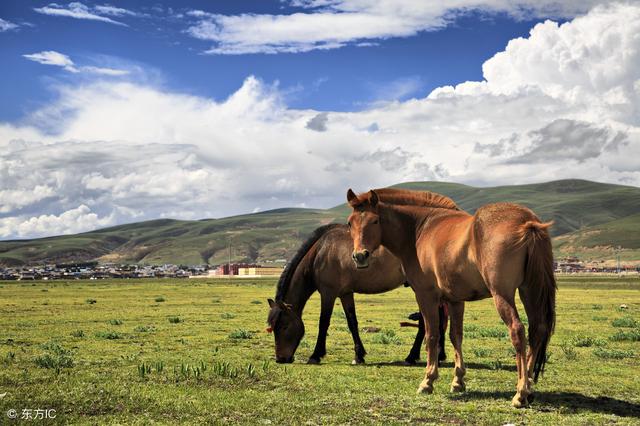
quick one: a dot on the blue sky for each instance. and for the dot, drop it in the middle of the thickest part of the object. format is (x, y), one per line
(127, 111)
(345, 79)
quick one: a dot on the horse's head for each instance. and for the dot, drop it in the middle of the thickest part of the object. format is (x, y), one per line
(364, 226)
(287, 328)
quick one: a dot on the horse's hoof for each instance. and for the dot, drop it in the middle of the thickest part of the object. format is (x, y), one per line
(458, 387)
(314, 361)
(519, 402)
(357, 361)
(425, 389)
(530, 398)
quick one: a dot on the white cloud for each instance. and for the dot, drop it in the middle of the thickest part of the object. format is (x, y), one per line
(79, 10)
(51, 57)
(561, 103)
(80, 219)
(330, 24)
(7, 25)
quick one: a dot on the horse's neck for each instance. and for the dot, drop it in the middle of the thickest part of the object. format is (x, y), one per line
(300, 289)
(400, 227)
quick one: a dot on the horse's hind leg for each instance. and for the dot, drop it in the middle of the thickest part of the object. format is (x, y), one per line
(326, 309)
(442, 314)
(456, 313)
(507, 309)
(349, 306)
(414, 354)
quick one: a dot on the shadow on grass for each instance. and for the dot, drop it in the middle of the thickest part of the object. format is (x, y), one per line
(568, 401)
(468, 365)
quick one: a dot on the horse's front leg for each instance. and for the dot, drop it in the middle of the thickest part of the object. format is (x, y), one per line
(429, 300)
(456, 313)
(349, 306)
(326, 309)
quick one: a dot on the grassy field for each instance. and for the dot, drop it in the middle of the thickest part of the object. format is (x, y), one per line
(167, 351)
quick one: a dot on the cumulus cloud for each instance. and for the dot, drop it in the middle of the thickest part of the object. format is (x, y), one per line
(330, 24)
(79, 10)
(71, 221)
(51, 57)
(7, 25)
(561, 103)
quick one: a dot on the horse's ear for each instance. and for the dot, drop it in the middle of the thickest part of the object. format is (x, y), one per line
(271, 303)
(352, 198)
(373, 198)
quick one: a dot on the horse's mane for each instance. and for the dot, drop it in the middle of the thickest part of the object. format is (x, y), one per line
(415, 198)
(287, 274)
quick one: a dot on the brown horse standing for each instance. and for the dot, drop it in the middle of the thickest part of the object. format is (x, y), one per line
(323, 263)
(449, 255)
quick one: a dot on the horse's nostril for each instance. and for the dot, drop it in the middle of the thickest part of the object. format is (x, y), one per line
(366, 254)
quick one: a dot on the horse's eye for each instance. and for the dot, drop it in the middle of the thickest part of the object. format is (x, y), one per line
(349, 224)
(375, 222)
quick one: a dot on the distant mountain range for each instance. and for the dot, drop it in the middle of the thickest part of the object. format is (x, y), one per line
(591, 220)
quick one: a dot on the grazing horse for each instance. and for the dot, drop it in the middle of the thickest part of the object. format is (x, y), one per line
(449, 255)
(323, 263)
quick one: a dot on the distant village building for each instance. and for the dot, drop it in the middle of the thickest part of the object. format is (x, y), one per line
(261, 271)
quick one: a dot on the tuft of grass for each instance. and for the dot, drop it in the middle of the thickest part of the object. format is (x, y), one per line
(499, 332)
(587, 341)
(227, 315)
(626, 322)
(596, 307)
(108, 335)
(240, 334)
(91, 301)
(216, 300)
(159, 299)
(496, 364)
(612, 353)
(386, 337)
(626, 336)
(55, 357)
(175, 320)
(115, 322)
(568, 351)
(481, 352)
(77, 333)
(144, 328)
(256, 302)
(9, 358)
(599, 318)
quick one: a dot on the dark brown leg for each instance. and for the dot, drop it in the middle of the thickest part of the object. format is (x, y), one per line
(349, 306)
(326, 310)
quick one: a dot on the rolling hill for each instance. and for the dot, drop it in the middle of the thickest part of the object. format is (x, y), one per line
(589, 217)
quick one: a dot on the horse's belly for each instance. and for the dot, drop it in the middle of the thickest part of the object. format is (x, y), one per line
(376, 286)
(465, 286)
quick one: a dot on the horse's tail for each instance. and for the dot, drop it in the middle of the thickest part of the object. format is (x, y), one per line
(540, 285)
(290, 269)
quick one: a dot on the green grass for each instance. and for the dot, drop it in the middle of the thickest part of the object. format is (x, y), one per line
(196, 373)
(592, 217)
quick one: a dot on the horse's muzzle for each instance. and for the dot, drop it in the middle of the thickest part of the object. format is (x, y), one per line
(361, 258)
(284, 360)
